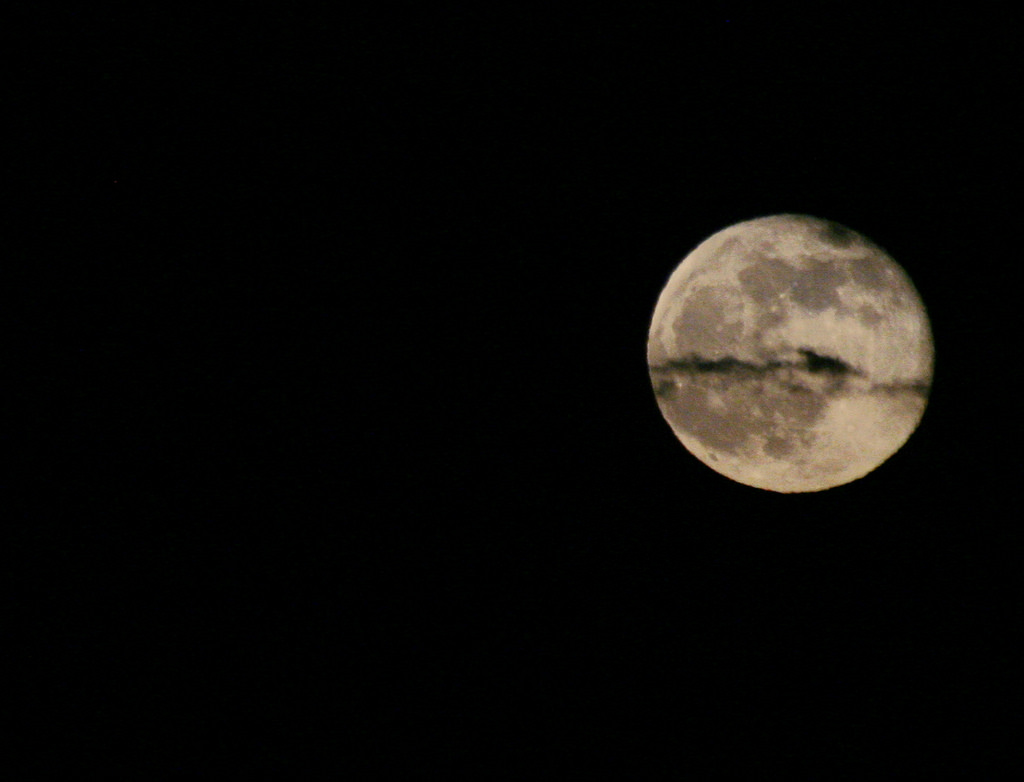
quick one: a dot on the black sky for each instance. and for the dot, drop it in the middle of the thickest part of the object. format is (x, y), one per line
(328, 395)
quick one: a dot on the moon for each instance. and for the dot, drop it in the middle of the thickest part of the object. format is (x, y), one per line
(791, 354)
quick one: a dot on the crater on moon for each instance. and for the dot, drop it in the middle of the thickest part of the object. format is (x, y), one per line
(791, 354)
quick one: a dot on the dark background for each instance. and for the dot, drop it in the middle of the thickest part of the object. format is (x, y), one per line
(331, 434)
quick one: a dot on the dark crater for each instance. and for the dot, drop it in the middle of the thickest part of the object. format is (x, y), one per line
(837, 235)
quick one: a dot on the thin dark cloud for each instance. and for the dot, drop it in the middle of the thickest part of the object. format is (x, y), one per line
(833, 366)
(811, 362)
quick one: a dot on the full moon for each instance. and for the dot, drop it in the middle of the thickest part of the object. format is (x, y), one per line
(790, 354)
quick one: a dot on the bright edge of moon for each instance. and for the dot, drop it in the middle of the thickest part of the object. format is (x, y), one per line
(790, 353)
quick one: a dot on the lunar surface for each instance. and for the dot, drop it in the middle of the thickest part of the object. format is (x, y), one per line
(790, 354)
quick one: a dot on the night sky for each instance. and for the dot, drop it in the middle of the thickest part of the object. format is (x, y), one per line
(329, 415)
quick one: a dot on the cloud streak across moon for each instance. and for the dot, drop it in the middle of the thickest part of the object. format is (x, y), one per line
(790, 353)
